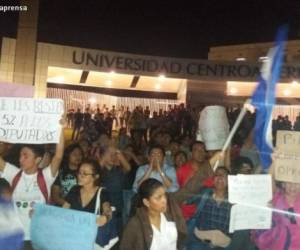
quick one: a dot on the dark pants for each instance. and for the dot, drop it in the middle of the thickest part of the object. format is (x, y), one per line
(76, 132)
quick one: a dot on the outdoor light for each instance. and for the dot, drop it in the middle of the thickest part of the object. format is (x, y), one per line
(157, 86)
(262, 58)
(108, 82)
(112, 73)
(161, 77)
(240, 59)
(92, 100)
(233, 91)
(287, 92)
(295, 82)
(56, 79)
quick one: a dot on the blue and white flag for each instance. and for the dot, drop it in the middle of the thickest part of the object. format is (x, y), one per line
(264, 98)
(11, 230)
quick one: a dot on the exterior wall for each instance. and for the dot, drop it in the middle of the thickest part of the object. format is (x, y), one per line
(7, 60)
(182, 91)
(252, 52)
(26, 43)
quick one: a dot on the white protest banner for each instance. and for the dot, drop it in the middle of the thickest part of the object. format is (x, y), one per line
(248, 217)
(54, 228)
(214, 127)
(27, 120)
(251, 193)
(288, 141)
(16, 90)
(287, 168)
(252, 189)
(288, 156)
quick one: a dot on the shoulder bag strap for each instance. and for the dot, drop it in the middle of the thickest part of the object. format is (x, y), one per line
(16, 180)
(98, 201)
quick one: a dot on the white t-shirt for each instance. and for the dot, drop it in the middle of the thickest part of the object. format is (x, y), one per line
(27, 193)
(166, 238)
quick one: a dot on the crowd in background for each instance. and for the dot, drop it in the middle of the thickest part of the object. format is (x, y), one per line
(153, 171)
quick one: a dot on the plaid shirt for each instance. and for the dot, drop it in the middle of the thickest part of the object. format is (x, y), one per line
(215, 216)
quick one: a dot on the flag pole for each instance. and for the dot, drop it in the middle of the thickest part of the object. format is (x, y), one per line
(234, 129)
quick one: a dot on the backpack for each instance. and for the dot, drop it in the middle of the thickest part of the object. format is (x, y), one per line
(40, 180)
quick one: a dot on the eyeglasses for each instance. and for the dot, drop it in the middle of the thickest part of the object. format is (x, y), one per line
(84, 174)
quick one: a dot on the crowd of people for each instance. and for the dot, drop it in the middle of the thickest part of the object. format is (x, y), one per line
(176, 118)
(153, 177)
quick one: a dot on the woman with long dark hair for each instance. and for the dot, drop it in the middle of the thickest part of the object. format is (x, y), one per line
(157, 224)
(83, 196)
(67, 177)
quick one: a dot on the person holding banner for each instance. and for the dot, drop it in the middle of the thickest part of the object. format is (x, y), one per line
(285, 230)
(31, 185)
(83, 196)
(193, 175)
(89, 197)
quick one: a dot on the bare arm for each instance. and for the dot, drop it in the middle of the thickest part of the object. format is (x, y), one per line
(124, 163)
(2, 164)
(59, 152)
(66, 205)
(146, 175)
(166, 180)
(107, 210)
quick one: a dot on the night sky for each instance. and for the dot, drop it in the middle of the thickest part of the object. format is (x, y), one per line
(166, 28)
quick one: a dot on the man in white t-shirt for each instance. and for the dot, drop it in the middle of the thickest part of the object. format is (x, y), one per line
(31, 186)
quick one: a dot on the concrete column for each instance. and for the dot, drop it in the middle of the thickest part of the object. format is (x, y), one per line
(26, 43)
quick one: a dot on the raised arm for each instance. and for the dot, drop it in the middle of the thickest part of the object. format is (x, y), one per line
(59, 152)
(123, 162)
(2, 163)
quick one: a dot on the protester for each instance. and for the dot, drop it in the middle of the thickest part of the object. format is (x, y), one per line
(113, 170)
(157, 224)
(250, 151)
(157, 169)
(67, 177)
(86, 147)
(242, 165)
(213, 216)
(31, 185)
(197, 164)
(83, 196)
(78, 120)
(180, 158)
(285, 230)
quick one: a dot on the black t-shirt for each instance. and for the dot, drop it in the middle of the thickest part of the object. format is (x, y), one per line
(66, 181)
(74, 199)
